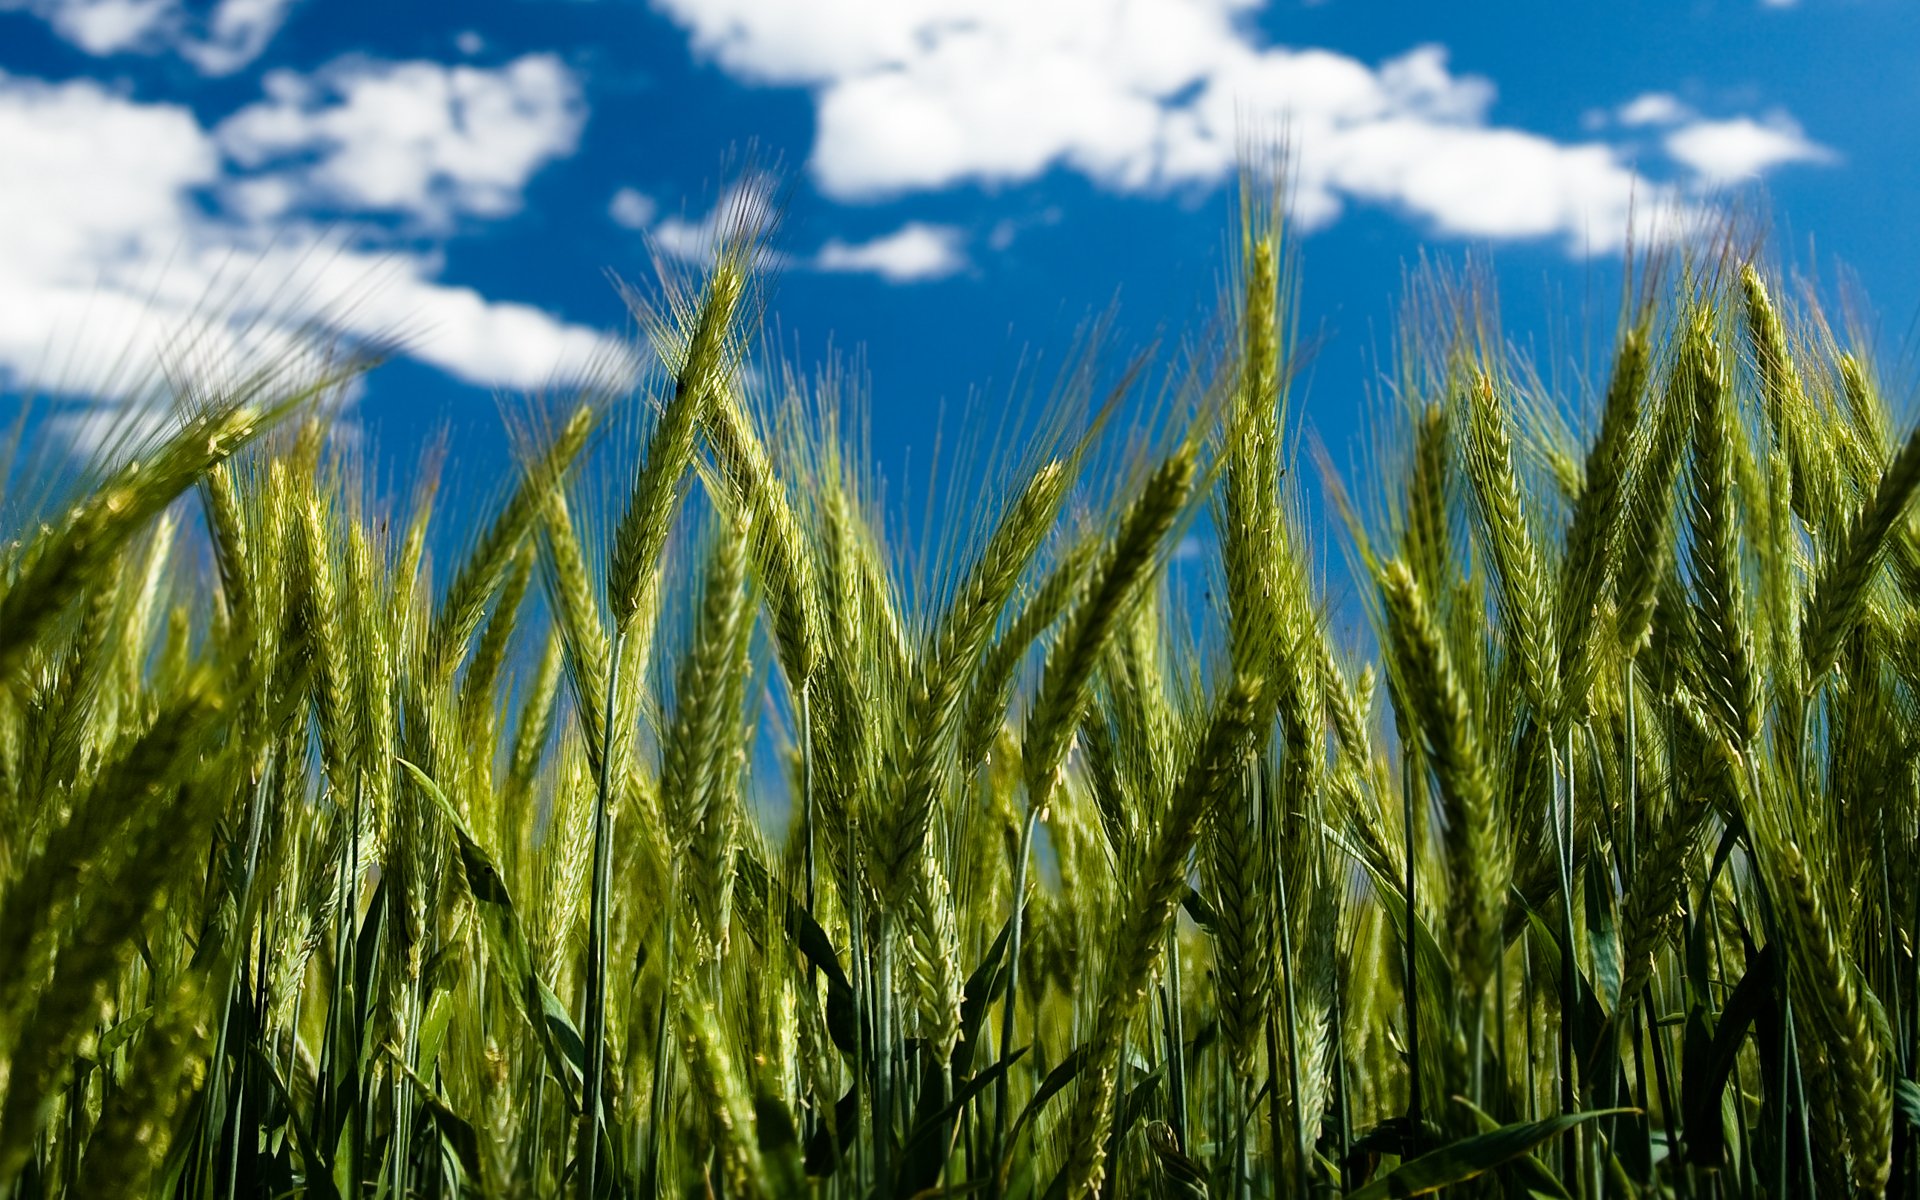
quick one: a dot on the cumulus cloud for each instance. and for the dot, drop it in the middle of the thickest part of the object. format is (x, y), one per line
(915, 251)
(422, 139)
(1151, 95)
(126, 234)
(1742, 148)
(218, 40)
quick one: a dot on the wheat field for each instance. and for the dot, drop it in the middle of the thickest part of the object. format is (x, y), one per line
(678, 828)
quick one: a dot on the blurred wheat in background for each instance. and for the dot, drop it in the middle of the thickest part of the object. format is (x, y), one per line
(690, 834)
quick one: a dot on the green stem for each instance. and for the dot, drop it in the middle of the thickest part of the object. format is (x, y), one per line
(1000, 1094)
(1569, 966)
(882, 1001)
(594, 1029)
(1293, 1037)
(1408, 788)
(1176, 1039)
(225, 1108)
(862, 983)
(1786, 1109)
(662, 1056)
(806, 793)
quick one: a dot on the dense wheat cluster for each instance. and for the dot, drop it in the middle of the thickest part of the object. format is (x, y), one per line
(346, 854)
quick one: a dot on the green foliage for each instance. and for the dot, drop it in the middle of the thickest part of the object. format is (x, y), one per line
(1105, 870)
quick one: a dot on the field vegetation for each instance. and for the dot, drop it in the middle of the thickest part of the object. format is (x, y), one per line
(353, 848)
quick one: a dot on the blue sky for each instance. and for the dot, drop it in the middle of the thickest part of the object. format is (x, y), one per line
(965, 181)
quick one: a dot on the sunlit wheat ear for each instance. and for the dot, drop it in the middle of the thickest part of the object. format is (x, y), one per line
(1593, 555)
(479, 687)
(702, 741)
(1248, 512)
(565, 847)
(1715, 563)
(950, 660)
(994, 679)
(1792, 415)
(781, 557)
(577, 615)
(369, 684)
(1427, 535)
(1066, 685)
(315, 567)
(219, 490)
(1526, 607)
(1234, 865)
(1818, 967)
(1477, 849)
(1859, 424)
(1153, 893)
(534, 725)
(937, 980)
(1649, 518)
(1839, 591)
(702, 371)
(487, 567)
(60, 562)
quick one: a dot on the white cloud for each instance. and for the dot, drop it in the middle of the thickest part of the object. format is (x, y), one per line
(1150, 95)
(234, 35)
(913, 252)
(1742, 148)
(99, 26)
(1714, 152)
(124, 239)
(217, 42)
(632, 209)
(1653, 108)
(469, 42)
(418, 138)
